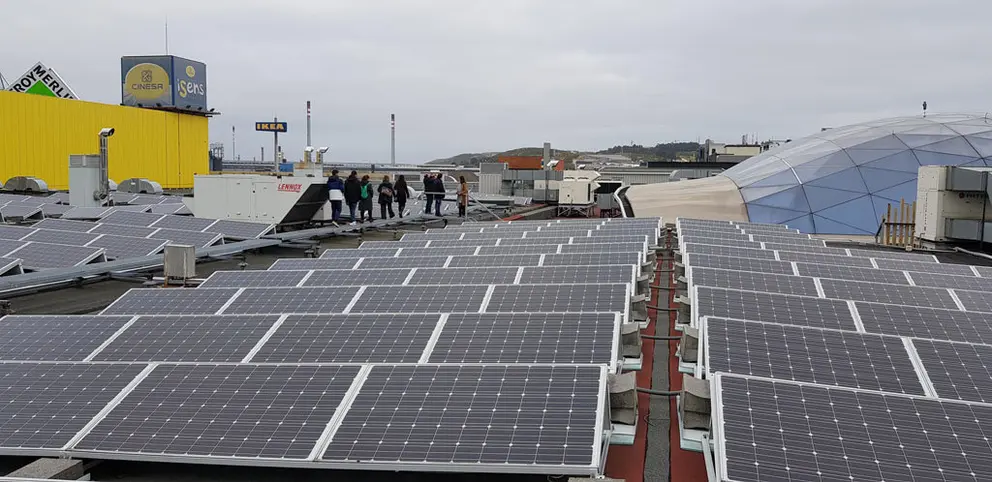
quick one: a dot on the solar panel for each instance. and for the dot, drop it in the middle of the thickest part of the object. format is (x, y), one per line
(14, 233)
(392, 244)
(776, 230)
(254, 279)
(709, 249)
(984, 271)
(746, 280)
(130, 218)
(8, 246)
(603, 248)
(43, 256)
(534, 241)
(852, 274)
(206, 338)
(485, 261)
(811, 258)
(517, 250)
(892, 254)
(78, 212)
(19, 211)
(123, 247)
(582, 259)
(565, 338)
(740, 264)
(547, 421)
(317, 300)
(408, 262)
(494, 235)
(169, 208)
(49, 209)
(190, 238)
(64, 225)
(602, 297)
(957, 370)
(120, 230)
(798, 248)
(924, 267)
(171, 301)
(305, 264)
(187, 223)
(729, 235)
(241, 229)
(54, 338)
(972, 300)
(377, 252)
(71, 238)
(431, 236)
(777, 430)
(439, 251)
(131, 208)
(925, 322)
(357, 277)
(579, 274)
(46, 404)
(367, 338)
(772, 308)
(460, 244)
(558, 233)
(733, 243)
(887, 293)
(420, 299)
(828, 357)
(456, 276)
(950, 281)
(792, 242)
(276, 412)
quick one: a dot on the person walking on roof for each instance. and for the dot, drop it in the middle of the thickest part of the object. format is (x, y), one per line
(438, 195)
(385, 191)
(352, 194)
(402, 192)
(428, 192)
(462, 196)
(365, 205)
(335, 194)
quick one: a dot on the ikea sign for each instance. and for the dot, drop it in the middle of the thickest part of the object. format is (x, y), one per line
(271, 126)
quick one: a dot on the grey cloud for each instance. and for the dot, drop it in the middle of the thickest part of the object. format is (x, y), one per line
(474, 76)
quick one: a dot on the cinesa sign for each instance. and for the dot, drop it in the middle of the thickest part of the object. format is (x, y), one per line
(164, 82)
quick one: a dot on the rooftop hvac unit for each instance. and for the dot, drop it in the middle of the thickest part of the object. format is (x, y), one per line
(137, 185)
(179, 261)
(953, 204)
(25, 184)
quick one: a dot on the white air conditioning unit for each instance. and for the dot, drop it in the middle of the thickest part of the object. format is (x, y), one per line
(179, 261)
(951, 203)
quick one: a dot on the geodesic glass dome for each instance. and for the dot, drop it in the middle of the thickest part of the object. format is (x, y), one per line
(841, 180)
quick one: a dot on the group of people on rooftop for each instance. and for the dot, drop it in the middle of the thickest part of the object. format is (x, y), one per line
(358, 194)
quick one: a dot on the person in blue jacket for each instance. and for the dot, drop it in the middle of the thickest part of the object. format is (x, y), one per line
(335, 194)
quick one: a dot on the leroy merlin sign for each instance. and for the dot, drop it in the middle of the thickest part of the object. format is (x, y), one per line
(42, 80)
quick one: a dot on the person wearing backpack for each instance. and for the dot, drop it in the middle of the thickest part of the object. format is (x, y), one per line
(335, 194)
(352, 194)
(365, 205)
(385, 191)
(402, 193)
(438, 195)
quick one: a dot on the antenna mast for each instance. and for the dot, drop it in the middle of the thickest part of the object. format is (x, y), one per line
(166, 35)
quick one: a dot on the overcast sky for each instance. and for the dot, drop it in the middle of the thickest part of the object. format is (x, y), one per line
(486, 75)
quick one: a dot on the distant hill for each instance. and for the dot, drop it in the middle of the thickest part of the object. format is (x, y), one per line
(665, 151)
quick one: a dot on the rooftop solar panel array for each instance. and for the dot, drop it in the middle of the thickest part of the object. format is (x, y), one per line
(467, 362)
(880, 373)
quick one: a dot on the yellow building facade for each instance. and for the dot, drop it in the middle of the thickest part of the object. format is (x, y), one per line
(38, 133)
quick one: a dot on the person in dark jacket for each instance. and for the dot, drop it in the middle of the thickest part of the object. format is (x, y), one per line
(428, 192)
(365, 205)
(401, 192)
(385, 191)
(438, 194)
(352, 194)
(335, 194)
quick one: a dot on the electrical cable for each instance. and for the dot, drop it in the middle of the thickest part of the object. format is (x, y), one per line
(658, 392)
(658, 308)
(653, 337)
